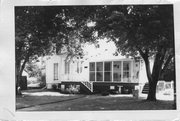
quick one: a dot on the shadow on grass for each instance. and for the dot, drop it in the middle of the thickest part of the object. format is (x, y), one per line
(50, 102)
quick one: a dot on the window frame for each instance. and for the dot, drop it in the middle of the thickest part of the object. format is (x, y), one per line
(127, 71)
(99, 71)
(110, 71)
(67, 67)
(117, 71)
(55, 68)
(92, 71)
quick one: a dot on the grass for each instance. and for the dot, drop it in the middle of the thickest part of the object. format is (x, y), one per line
(32, 101)
(87, 103)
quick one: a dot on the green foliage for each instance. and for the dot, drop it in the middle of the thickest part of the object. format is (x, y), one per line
(43, 81)
(140, 30)
(54, 87)
(137, 28)
(33, 70)
(105, 93)
(72, 89)
(41, 30)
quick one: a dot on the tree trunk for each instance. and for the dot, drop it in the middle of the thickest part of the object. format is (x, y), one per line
(18, 76)
(18, 91)
(152, 91)
(175, 94)
(152, 79)
(19, 71)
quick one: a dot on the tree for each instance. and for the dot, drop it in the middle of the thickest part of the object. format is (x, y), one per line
(30, 38)
(140, 30)
(137, 30)
(41, 30)
(33, 69)
(34, 32)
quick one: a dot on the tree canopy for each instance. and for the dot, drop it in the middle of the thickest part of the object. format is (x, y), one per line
(44, 30)
(137, 27)
(140, 30)
(137, 30)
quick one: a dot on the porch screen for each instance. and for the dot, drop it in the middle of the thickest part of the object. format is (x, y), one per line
(99, 71)
(126, 71)
(107, 71)
(92, 71)
(117, 71)
(55, 71)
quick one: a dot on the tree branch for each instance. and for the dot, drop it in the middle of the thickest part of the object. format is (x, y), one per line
(141, 52)
(24, 63)
(146, 60)
(167, 62)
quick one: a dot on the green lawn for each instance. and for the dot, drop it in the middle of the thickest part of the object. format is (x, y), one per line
(31, 101)
(87, 103)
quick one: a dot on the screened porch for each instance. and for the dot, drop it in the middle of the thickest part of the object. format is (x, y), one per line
(111, 71)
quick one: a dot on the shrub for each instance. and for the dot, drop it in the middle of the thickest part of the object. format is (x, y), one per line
(113, 92)
(105, 93)
(42, 84)
(73, 89)
(54, 87)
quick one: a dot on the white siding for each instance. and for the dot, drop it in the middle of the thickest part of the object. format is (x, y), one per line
(135, 66)
(50, 70)
(73, 75)
(143, 75)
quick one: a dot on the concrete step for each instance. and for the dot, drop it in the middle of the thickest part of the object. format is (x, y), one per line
(146, 88)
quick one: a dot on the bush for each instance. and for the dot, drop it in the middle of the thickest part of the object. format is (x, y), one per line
(113, 92)
(42, 84)
(73, 89)
(105, 93)
(54, 87)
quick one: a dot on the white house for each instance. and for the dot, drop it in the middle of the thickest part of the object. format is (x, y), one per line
(97, 73)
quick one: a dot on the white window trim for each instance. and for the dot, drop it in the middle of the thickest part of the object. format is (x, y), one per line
(99, 71)
(122, 80)
(130, 62)
(54, 71)
(112, 72)
(117, 71)
(66, 67)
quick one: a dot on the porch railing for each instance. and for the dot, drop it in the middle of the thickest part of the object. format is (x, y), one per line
(88, 85)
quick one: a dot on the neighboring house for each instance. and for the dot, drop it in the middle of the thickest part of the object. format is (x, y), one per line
(118, 74)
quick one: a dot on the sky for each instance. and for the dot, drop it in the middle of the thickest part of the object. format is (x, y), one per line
(104, 52)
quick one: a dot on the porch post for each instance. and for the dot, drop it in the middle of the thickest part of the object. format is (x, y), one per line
(95, 70)
(132, 63)
(112, 71)
(122, 71)
(103, 70)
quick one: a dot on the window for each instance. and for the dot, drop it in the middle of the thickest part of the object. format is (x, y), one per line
(126, 71)
(117, 71)
(92, 66)
(99, 71)
(110, 71)
(55, 71)
(79, 67)
(107, 71)
(67, 67)
(92, 71)
(81, 64)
